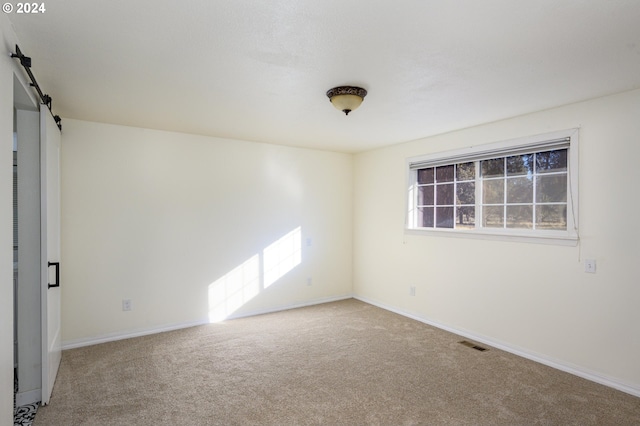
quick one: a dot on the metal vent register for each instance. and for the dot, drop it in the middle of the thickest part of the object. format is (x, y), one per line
(473, 346)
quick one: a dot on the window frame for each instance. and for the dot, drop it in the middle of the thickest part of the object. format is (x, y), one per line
(568, 139)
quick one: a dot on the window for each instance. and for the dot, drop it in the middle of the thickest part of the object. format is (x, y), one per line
(523, 189)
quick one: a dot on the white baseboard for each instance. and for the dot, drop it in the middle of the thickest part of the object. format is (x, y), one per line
(542, 359)
(120, 335)
(28, 397)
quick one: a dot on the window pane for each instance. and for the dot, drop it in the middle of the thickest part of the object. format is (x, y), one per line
(425, 195)
(465, 217)
(551, 161)
(520, 165)
(520, 217)
(520, 190)
(493, 191)
(444, 174)
(425, 175)
(444, 217)
(466, 193)
(493, 167)
(444, 194)
(551, 189)
(551, 217)
(425, 217)
(493, 217)
(466, 171)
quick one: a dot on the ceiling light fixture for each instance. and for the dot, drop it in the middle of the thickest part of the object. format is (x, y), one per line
(346, 98)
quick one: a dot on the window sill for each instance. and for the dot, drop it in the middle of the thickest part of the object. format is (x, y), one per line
(552, 238)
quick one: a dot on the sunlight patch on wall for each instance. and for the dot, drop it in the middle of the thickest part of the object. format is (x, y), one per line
(247, 280)
(234, 289)
(282, 256)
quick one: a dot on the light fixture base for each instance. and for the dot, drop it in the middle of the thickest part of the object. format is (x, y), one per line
(346, 98)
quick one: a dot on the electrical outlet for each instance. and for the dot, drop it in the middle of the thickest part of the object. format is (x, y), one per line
(590, 266)
(309, 281)
(126, 304)
(412, 290)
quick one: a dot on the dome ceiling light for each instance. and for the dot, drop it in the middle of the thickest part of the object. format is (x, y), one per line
(346, 98)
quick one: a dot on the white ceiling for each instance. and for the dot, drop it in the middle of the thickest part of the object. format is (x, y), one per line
(258, 70)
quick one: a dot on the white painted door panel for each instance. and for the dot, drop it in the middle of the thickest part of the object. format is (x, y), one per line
(50, 244)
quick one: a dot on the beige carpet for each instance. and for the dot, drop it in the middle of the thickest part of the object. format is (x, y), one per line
(342, 363)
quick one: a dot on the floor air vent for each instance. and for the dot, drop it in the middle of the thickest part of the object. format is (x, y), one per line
(473, 346)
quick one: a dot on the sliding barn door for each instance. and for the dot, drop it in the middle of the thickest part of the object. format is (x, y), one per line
(50, 246)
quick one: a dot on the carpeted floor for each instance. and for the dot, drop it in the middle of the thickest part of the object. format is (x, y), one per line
(342, 363)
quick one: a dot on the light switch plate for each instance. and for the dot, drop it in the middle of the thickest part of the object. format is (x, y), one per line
(590, 266)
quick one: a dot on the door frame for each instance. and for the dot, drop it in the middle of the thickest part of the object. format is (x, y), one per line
(27, 298)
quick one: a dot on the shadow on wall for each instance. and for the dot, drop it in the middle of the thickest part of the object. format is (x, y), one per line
(254, 275)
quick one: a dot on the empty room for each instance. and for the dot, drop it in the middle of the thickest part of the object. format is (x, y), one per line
(319, 212)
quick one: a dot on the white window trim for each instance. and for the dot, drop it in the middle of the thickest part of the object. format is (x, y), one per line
(497, 149)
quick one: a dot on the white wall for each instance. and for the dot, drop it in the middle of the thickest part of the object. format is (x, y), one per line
(156, 217)
(530, 297)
